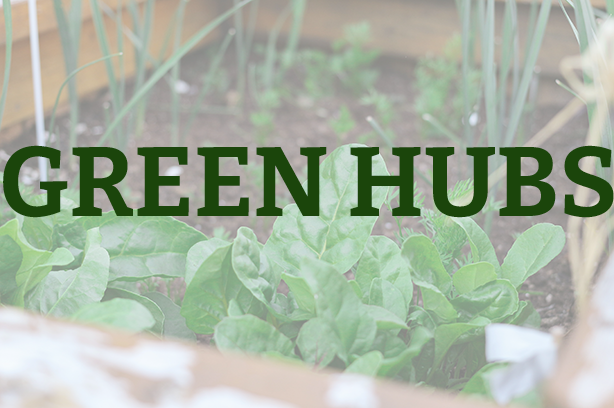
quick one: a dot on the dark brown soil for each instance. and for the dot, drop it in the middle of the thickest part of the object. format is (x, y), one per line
(303, 122)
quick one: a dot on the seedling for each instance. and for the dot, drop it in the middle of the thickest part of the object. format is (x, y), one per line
(439, 86)
(319, 81)
(351, 62)
(384, 112)
(343, 124)
(221, 233)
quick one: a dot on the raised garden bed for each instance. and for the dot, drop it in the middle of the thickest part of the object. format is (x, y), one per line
(299, 293)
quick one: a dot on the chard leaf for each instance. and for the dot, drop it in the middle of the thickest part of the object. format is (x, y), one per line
(382, 259)
(318, 342)
(174, 324)
(385, 319)
(533, 250)
(367, 364)
(206, 297)
(339, 306)
(481, 248)
(39, 230)
(425, 263)
(474, 275)
(494, 300)
(251, 335)
(335, 236)
(34, 267)
(63, 293)
(123, 314)
(156, 313)
(139, 247)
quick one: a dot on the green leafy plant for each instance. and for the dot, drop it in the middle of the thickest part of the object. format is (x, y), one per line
(439, 86)
(342, 124)
(76, 267)
(503, 112)
(384, 112)
(266, 79)
(414, 311)
(351, 62)
(319, 81)
(264, 124)
(371, 324)
(6, 212)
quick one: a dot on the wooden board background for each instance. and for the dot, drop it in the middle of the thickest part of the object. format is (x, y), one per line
(198, 369)
(410, 29)
(403, 28)
(415, 28)
(20, 107)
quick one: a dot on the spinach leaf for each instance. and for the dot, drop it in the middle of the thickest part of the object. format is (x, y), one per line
(120, 313)
(338, 306)
(367, 364)
(391, 366)
(139, 247)
(154, 309)
(63, 293)
(472, 276)
(34, 267)
(382, 259)
(174, 324)
(211, 285)
(481, 248)
(39, 231)
(301, 293)
(385, 319)
(253, 268)
(335, 236)
(12, 257)
(251, 335)
(425, 262)
(447, 334)
(318, 342)
(494, 300)
(389, 297)
(479, 382)
(525, 316)
(436, 302)
(531, 251)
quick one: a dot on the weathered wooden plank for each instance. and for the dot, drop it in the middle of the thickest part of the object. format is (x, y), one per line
(413, 28)
(46, 17)
(51, 363)
(584, 376)
(596, 3)
(19, 105)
